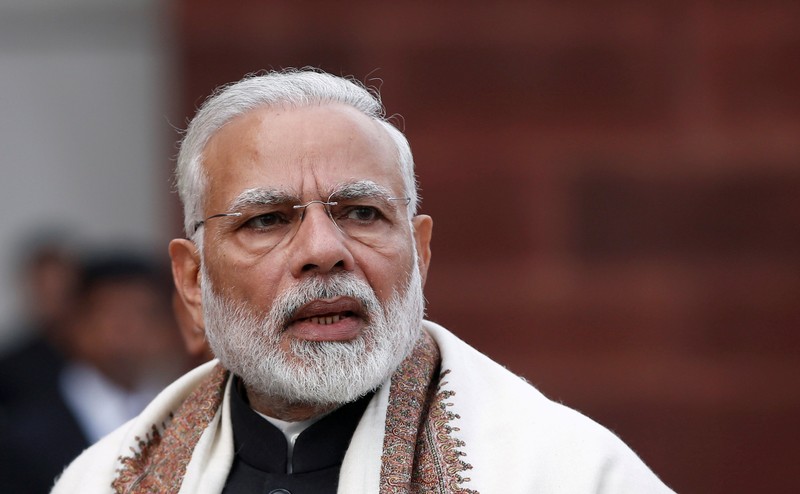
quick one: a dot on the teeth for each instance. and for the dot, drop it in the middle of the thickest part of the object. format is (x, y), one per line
(325, 320)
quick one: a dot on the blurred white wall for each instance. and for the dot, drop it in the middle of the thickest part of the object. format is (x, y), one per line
(84, 127)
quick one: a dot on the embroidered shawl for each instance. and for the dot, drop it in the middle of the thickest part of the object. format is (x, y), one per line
(449, 421)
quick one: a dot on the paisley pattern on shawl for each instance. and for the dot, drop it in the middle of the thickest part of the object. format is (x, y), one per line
(420, 452)
(160, 462)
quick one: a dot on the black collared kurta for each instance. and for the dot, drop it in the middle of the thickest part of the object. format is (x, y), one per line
(260, 460)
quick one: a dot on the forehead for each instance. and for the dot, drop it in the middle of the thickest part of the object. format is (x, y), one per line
(307, 151)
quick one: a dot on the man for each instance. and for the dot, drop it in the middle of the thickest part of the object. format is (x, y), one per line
(304, 265)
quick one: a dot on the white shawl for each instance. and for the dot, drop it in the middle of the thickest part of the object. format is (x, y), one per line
(482, 430)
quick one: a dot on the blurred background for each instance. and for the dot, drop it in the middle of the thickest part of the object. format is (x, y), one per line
(615, 185)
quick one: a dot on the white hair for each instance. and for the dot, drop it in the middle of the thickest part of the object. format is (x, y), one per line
(290, 88)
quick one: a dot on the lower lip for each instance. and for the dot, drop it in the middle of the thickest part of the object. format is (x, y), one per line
(345, 329)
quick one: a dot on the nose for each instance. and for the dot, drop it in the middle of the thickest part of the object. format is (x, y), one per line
(318, 246)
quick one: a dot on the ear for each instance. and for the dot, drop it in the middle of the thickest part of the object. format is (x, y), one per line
(423, 229)
(194, 338)
(186, 274)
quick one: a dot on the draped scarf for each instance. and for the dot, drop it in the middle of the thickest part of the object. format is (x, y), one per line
(421, 451)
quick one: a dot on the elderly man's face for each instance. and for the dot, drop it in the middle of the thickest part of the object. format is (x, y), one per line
(305, 154)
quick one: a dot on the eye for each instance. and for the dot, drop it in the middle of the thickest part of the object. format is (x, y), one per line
(266, 221)
(361, 214)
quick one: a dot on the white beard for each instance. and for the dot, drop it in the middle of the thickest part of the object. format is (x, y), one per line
(315, 372)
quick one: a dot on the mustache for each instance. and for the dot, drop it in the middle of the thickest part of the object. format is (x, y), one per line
(287, 304)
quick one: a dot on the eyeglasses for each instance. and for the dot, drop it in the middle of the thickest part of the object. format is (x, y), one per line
(262, 223)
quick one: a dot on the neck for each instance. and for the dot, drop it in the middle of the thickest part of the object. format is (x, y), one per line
(283, 409)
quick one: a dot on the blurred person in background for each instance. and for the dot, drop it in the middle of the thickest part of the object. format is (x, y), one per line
(48, 274)
(120, 348)
(125, 345)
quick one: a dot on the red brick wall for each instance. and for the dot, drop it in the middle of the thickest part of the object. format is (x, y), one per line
(616, 194)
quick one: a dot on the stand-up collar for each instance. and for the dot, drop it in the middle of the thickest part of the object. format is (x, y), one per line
(263, 446)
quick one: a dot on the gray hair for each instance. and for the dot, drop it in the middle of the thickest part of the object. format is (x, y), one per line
(291, 88)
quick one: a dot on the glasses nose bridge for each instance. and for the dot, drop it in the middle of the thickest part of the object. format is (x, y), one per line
(303, 208)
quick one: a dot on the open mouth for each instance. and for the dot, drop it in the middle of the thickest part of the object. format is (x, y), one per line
(328, 311)
(324, 320)
(336, 319)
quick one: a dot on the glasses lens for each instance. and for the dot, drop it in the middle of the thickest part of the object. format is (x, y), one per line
(364, 220)
(368, 220)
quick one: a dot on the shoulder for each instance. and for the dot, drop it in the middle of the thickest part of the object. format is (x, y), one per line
(508, 425)
(93, 471)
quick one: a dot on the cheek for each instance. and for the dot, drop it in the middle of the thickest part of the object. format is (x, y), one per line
(388, 272)
(254, 285)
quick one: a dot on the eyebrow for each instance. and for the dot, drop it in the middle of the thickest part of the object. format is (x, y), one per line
(261, 196)
(265, 196)
(360, 189)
